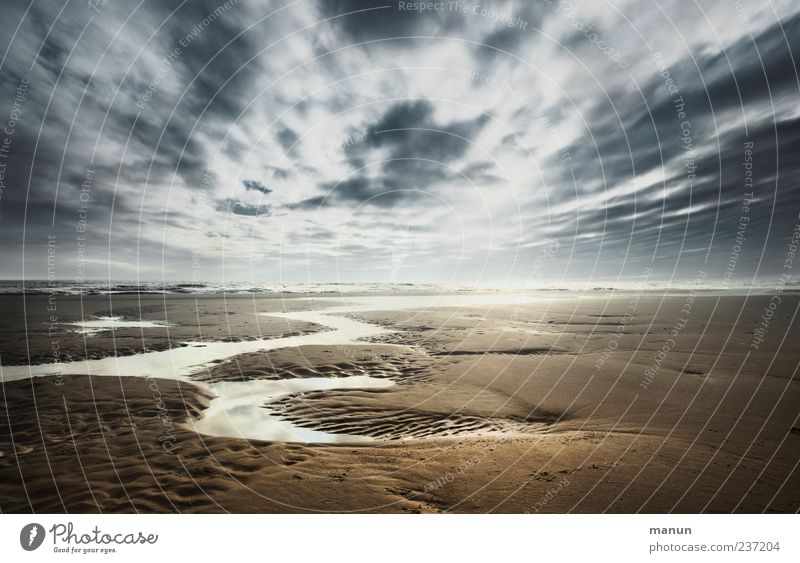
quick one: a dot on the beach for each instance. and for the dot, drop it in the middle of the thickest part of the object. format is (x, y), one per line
(557, 402)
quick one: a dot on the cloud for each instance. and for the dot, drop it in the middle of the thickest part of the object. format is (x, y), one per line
(287, 138)
(405, 152)
(409, 130)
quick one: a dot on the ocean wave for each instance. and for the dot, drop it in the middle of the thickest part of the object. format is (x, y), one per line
(34, 287)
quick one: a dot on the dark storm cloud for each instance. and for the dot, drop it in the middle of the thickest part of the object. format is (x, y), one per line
(399, 118)
(410, 131)
(639, 136)
(482, 173)
(215, 62)
(419, 151)
(257, 186)
(367, 20)
(287, 138)
(69, 123)
(356, 191)
(505, 39)
(277, 172)
(500, 24)
(215, 70)
(517, 25)
(310, 203)
(751, 70)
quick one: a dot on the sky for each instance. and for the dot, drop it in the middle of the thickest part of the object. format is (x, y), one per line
(492, 143)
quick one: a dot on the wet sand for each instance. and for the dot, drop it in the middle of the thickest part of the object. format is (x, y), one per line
(554, 406)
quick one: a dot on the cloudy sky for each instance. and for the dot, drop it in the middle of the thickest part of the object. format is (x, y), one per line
(471, 143)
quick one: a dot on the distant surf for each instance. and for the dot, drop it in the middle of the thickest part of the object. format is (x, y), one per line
(296, 289)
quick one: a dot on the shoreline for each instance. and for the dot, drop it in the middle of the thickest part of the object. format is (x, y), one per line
(508, 400)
